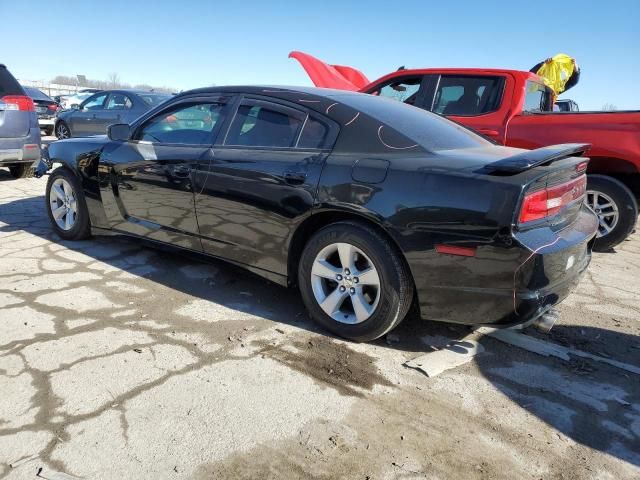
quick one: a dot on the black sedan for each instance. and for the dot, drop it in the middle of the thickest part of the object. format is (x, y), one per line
(366, 204)
(96, 113)
(46, 108)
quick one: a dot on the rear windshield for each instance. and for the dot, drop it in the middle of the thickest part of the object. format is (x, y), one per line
(431, 131)
(8, 84)
(154, 99)
(37, 94)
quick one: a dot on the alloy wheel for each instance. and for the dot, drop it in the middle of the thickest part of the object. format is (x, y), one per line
(606, 210)
(345, 283)
(62, 131)
(63, 204)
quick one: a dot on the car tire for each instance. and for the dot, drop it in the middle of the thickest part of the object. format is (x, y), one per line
(616, 208)
(386, 305)
(74, 223)
(21, 170)
(62, 131)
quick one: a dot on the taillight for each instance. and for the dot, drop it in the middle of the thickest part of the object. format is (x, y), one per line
(52, 107)
(546, 203)
(18, 102)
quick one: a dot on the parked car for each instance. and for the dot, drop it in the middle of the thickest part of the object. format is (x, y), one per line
(567, 105)
(19, 130)
(46, 108)
(98, 111)
(72, 101)
(514, 108)
(366, 204)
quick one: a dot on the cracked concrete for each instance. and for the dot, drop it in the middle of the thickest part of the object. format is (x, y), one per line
(120, 361)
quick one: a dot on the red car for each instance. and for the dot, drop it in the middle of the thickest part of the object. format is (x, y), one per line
(515, 108)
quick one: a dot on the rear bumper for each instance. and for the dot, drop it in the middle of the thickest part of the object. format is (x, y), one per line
(21, 150)
(540, 270)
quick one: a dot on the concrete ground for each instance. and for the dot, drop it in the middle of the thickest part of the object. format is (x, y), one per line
(120, 361)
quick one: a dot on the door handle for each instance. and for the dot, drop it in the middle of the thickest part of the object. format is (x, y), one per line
(295, 178)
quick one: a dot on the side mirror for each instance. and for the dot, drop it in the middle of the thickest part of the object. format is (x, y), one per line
(119, 132)
(75, 106)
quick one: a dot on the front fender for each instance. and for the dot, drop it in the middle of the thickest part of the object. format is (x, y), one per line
(82, 157)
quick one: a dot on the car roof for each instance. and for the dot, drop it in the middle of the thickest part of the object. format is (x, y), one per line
(283, 91)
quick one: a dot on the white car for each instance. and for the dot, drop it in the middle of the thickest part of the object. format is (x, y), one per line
(67, 101)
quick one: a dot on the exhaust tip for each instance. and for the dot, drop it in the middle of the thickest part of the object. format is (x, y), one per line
(547, 320)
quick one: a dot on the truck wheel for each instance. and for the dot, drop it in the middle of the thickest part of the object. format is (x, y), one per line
(21, 170)
(66, 205)
(616, 208)
(353, 282)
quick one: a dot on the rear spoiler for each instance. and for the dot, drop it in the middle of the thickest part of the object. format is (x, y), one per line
(534, 158)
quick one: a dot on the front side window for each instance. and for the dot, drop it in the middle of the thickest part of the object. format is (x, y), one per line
(404, 90)
(119, 101)
(95, 102)
(536, 98)
(190, 124)
(467, 95)
(263, 126)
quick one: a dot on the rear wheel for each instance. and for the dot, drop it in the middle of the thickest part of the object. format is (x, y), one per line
(66, 205)
(21, 170)
(354, 282)
(62, 131)
(616, 208)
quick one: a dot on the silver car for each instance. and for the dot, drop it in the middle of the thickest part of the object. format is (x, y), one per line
(19, 130)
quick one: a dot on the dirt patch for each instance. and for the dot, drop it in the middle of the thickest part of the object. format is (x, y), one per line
(330, 363)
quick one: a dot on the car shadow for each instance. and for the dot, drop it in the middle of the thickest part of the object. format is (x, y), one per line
(592, 403)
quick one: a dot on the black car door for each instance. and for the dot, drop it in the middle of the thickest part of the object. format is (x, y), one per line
(147, 181)
(261, 182)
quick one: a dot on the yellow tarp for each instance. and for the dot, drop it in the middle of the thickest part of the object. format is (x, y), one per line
(556, 71)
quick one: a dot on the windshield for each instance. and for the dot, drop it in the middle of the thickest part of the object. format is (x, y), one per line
(431, 131)
(154, 99)
(37, 94)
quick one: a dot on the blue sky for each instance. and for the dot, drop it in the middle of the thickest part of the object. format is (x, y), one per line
(187, 44)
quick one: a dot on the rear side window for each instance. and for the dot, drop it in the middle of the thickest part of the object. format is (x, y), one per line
(8, 84)
(314, 134)
(259, 125)
(467, 95)
(430, 131)
(190, 124)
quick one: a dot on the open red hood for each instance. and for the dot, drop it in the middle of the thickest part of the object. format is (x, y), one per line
(330, 76)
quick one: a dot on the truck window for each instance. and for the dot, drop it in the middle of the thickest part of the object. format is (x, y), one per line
(404, 89)
(537, 98)
(467, 95)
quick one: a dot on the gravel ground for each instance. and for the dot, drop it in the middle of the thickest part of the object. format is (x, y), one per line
(120, 361)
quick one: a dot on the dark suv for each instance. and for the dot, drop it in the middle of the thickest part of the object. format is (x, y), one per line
(19, 130)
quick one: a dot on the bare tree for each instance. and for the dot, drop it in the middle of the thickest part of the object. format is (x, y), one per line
(609, 107)
(113, 79)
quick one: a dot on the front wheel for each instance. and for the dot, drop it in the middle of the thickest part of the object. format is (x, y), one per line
(354, 282)
(66, 205)
(616, 208)
(62, 131)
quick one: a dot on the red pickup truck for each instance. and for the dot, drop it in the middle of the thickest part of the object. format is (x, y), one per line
(515, 108)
